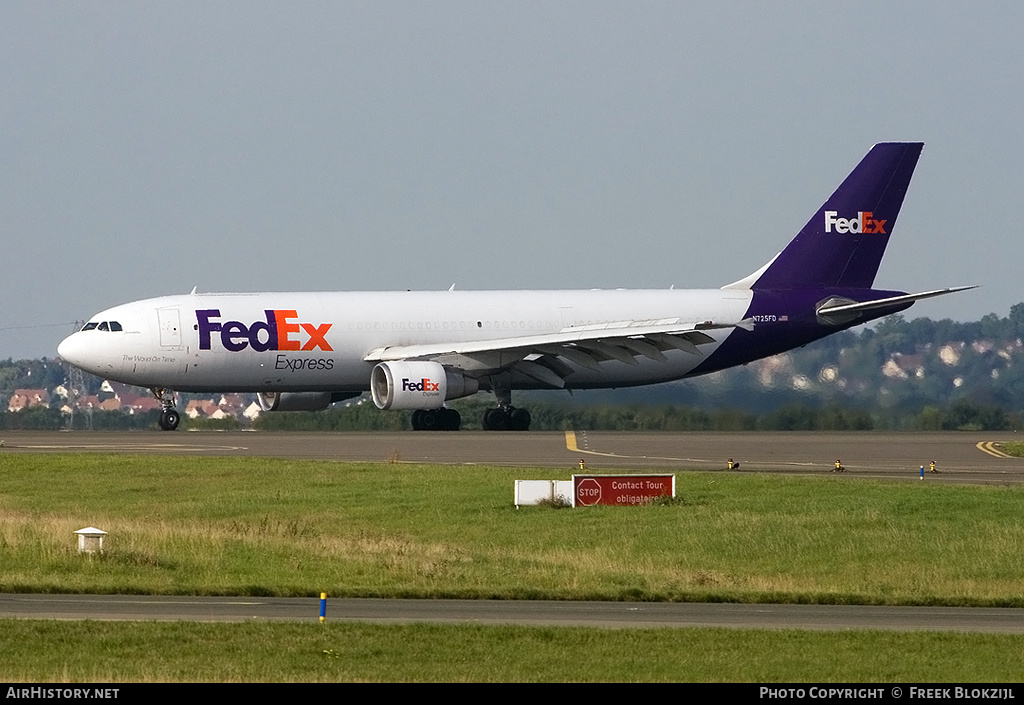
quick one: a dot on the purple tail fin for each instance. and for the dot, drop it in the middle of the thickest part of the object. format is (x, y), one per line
(843, 244)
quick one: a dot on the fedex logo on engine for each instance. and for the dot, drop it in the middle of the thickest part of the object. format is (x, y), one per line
(864, 223)
(424, 385)
(277, 332)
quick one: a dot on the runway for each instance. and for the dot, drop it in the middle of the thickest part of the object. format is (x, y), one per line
(631, 615)
(961, 457)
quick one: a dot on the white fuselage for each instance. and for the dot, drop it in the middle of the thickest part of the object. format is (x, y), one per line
(320, 341)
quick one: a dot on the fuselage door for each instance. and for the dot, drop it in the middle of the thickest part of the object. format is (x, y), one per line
(568, 316)
(170, 327)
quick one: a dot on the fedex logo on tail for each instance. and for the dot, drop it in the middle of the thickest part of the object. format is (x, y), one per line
(864, 223)
(277, 332)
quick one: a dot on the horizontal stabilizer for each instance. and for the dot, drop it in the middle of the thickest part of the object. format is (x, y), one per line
(833, 309)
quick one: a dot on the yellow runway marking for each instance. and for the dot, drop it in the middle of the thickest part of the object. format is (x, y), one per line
(990, 448)
(570, 443)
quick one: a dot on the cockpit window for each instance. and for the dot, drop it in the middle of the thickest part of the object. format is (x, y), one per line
(105, 325)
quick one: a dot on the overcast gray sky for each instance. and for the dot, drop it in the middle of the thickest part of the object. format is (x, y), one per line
(146, 148)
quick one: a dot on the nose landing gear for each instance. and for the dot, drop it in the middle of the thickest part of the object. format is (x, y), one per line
(169, 420)
(169, 417)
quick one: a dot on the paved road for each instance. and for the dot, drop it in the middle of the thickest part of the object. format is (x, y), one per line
(534, 612)
(961, 457)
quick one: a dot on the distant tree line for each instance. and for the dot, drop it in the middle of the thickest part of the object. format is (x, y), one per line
(51, 419)
(961, 415)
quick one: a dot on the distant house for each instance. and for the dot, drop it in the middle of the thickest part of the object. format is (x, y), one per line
(124, 393)
(126, 399)
(90, 401)
(143, 404)
(29, 398)
(201, 408)
(233, 404)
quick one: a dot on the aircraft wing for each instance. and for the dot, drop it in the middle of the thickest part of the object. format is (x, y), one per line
(542, 357)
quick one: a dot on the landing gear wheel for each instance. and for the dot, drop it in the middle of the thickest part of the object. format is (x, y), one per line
(510, 419)
(451, 421)
(436, 420)
(429, 419)
(496, 420)
(169, 420)
(169, 417)
(519, 420)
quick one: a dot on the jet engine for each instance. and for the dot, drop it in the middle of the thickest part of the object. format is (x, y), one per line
(300, 401)
(417, 385)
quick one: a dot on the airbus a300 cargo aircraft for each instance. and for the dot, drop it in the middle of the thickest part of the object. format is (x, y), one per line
(417, 350)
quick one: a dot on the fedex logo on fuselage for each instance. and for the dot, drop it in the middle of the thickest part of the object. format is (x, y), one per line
(277, 332)
(864, 223)
(424, 385)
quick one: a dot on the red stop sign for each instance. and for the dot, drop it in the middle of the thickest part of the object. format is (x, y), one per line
(588, 492)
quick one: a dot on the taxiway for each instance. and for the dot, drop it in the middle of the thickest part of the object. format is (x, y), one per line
(962, 457)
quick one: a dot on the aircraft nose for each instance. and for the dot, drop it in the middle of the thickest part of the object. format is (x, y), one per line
(70, 350)
(81, 351)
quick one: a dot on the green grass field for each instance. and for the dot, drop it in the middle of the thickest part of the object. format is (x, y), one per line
(1014, 448)
(255, 526)
(37, 651)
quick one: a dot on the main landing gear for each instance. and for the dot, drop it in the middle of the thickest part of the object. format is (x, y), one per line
(169, 417)
(501, 419)
(436, 420)
(506, 417)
